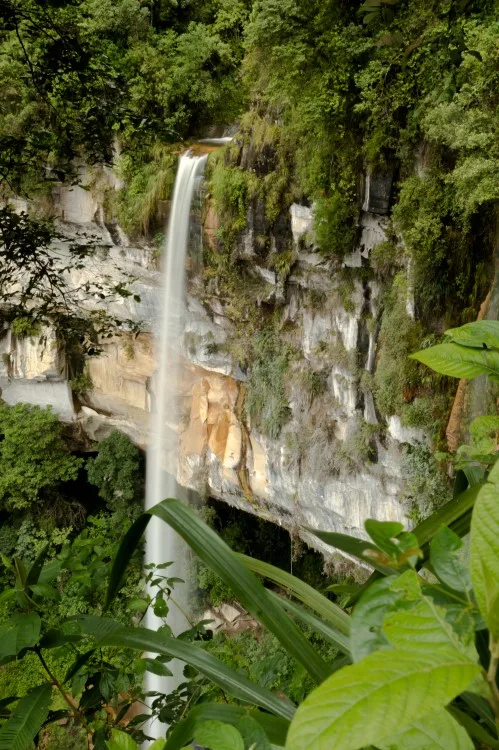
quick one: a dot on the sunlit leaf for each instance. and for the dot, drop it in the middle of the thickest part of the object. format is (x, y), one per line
(485, 551)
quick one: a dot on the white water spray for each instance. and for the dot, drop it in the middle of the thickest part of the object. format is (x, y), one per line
(162, 543)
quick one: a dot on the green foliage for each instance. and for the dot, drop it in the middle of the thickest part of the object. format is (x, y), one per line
(335, 230)
(146, 183)
(76, 78)
(116, 472)
(27, 719)
(267, 403)
(472, 350)
(33, 457)
(260, 655)
(231, 188)
(428, 487)
(24, 326)
(485, 557)
(396, 378)
(81, 383)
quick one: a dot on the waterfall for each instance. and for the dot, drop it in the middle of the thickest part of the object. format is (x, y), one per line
(162, 543)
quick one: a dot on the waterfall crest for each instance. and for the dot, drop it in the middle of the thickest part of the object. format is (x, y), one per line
(162, 543)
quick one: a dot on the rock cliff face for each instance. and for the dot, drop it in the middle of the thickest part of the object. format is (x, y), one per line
(335, 461)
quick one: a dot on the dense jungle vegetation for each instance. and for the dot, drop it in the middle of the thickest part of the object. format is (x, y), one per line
(320, 93)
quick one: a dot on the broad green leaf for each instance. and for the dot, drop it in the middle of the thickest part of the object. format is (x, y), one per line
(318, 626)
(27, 719)
(275, 727)
(459, 361)
(222, 560)
(45, 590)
(159, 744)
(484, 551)
(446, 560)
(23, 632)
(121, 741)
(50, 571)
(156, 667)
(370, 611)
(233, 682)
(215, 735)
(383, 534)
(253, 734)
(302, 591)
(423, 628)
(477, 334)
(438, 731)
(367, 702)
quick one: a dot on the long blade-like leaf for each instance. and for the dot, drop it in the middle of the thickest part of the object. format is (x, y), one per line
(275, 727)
(36, 568)
(352, 546)
(246, 587)
(19, 731)
(334, 636)
(128, 545)
(233, 682)
(447, 514)
(302, 591)
(474, 729)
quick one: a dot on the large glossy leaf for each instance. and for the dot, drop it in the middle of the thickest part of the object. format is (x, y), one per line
(370, 611)
(275, 727)
(423, 628)
(438, 731)
(367, 702)
(485, 551)
(220, 558)
(331, 634)
(19, 731)
(302, 591)
(476, 335)
(459, 361)
(216, 735)
(446, 560)
(233, 682)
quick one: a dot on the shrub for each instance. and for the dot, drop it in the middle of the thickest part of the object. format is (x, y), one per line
(116, 472)
(33, 457)
(267, 402)
(335, 229)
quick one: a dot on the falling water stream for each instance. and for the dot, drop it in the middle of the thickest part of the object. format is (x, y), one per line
(162, 543)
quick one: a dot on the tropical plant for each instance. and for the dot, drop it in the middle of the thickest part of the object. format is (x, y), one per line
(468, 351)
(419, 641)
